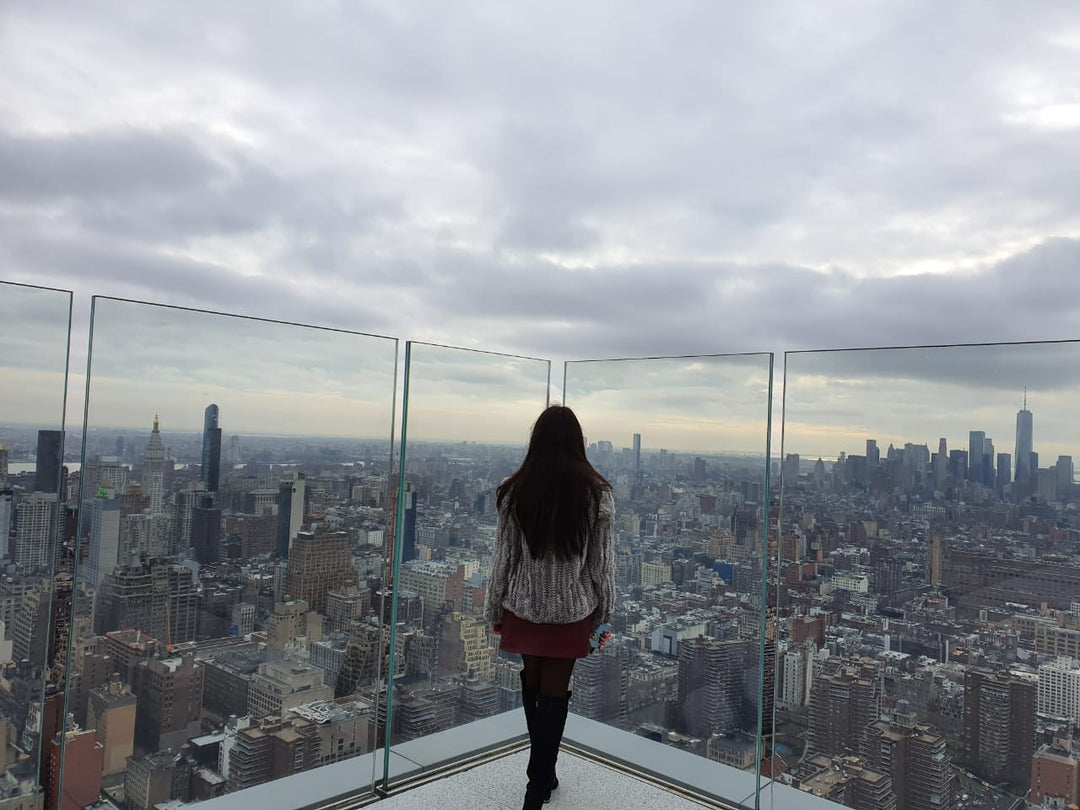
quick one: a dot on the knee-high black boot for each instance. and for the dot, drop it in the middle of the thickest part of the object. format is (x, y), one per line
(537, 770)
(549, 725)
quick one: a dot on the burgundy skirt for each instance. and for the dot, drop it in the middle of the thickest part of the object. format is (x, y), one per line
(547, 640)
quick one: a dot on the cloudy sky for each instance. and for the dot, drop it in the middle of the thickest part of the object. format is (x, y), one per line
(556, 180)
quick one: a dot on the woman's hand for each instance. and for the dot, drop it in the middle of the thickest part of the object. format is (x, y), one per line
(600, 642)
(496, 629)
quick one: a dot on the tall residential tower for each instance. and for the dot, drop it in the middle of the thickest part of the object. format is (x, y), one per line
(210, 473)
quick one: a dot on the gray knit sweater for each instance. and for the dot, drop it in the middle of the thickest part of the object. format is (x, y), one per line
(549, 590)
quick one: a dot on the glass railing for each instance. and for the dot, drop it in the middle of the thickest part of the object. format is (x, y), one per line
(466, 417)
(927, 575)
(35, 534)
(684, 442)
(230, 554)
(239, 580)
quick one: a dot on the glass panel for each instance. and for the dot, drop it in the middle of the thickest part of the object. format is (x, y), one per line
(466, 417)
(234, 504)
(684, 441)
(929, 599)
(35, 593)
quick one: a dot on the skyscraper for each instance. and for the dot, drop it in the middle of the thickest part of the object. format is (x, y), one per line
(976, 445)
(154, 470)
(210, 473)
(601, 682)
(940, 462)
(989, 475)
(637, 454)
(1065, 472)
(49, 459)
(958, 464)
(35, 527)
(7, 501)
(844, 701)
(159, 599)
(1025, 437)
(999, 724)
(917, 759)
(711, 681)
(206, 531)
(873, 454)
(169, 702)
(292, 506)
(1004, 471)
(104, 537)
(318, 564)
(3, 467)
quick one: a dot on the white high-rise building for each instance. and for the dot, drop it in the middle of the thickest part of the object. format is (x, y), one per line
(798, 677)
(104, 538)
(1059, 689)
(35, 518)
(107, 472)
(655, 573)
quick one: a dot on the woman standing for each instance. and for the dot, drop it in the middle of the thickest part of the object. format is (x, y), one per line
(553, 579)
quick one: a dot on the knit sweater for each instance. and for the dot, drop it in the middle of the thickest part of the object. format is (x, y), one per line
(550, 590)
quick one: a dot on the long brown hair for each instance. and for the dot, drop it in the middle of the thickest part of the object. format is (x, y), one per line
(555, 493)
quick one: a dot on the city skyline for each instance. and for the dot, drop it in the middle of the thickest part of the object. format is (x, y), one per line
(835, 400)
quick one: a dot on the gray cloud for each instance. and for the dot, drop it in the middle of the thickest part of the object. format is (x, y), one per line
(267, 377)
(555, 181)
(33, 354)
(100, 165)
(698, 404)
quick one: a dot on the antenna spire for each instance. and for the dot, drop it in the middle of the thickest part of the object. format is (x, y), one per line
(1025, 397)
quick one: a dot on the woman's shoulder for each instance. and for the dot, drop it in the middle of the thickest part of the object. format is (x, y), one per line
(607, 501)
(502, 496)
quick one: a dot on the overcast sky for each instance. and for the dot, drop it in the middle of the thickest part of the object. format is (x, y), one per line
(558, 180)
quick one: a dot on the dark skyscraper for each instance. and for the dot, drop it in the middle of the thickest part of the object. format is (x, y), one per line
(206, 531)
(211, 450)
(637, 455)
(293, 497)
(873, 454)
(49, 459)
(999, 724)
(408, 526)
(1004, 470)
(976, 443)
(958, 464)
(1025, 437)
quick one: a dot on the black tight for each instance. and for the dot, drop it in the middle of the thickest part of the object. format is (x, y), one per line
(550, 676)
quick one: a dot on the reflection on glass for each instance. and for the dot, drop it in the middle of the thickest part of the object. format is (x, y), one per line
(34, 497)
(684, 443)
(928, 570)
(466, 421)
(233, 515)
